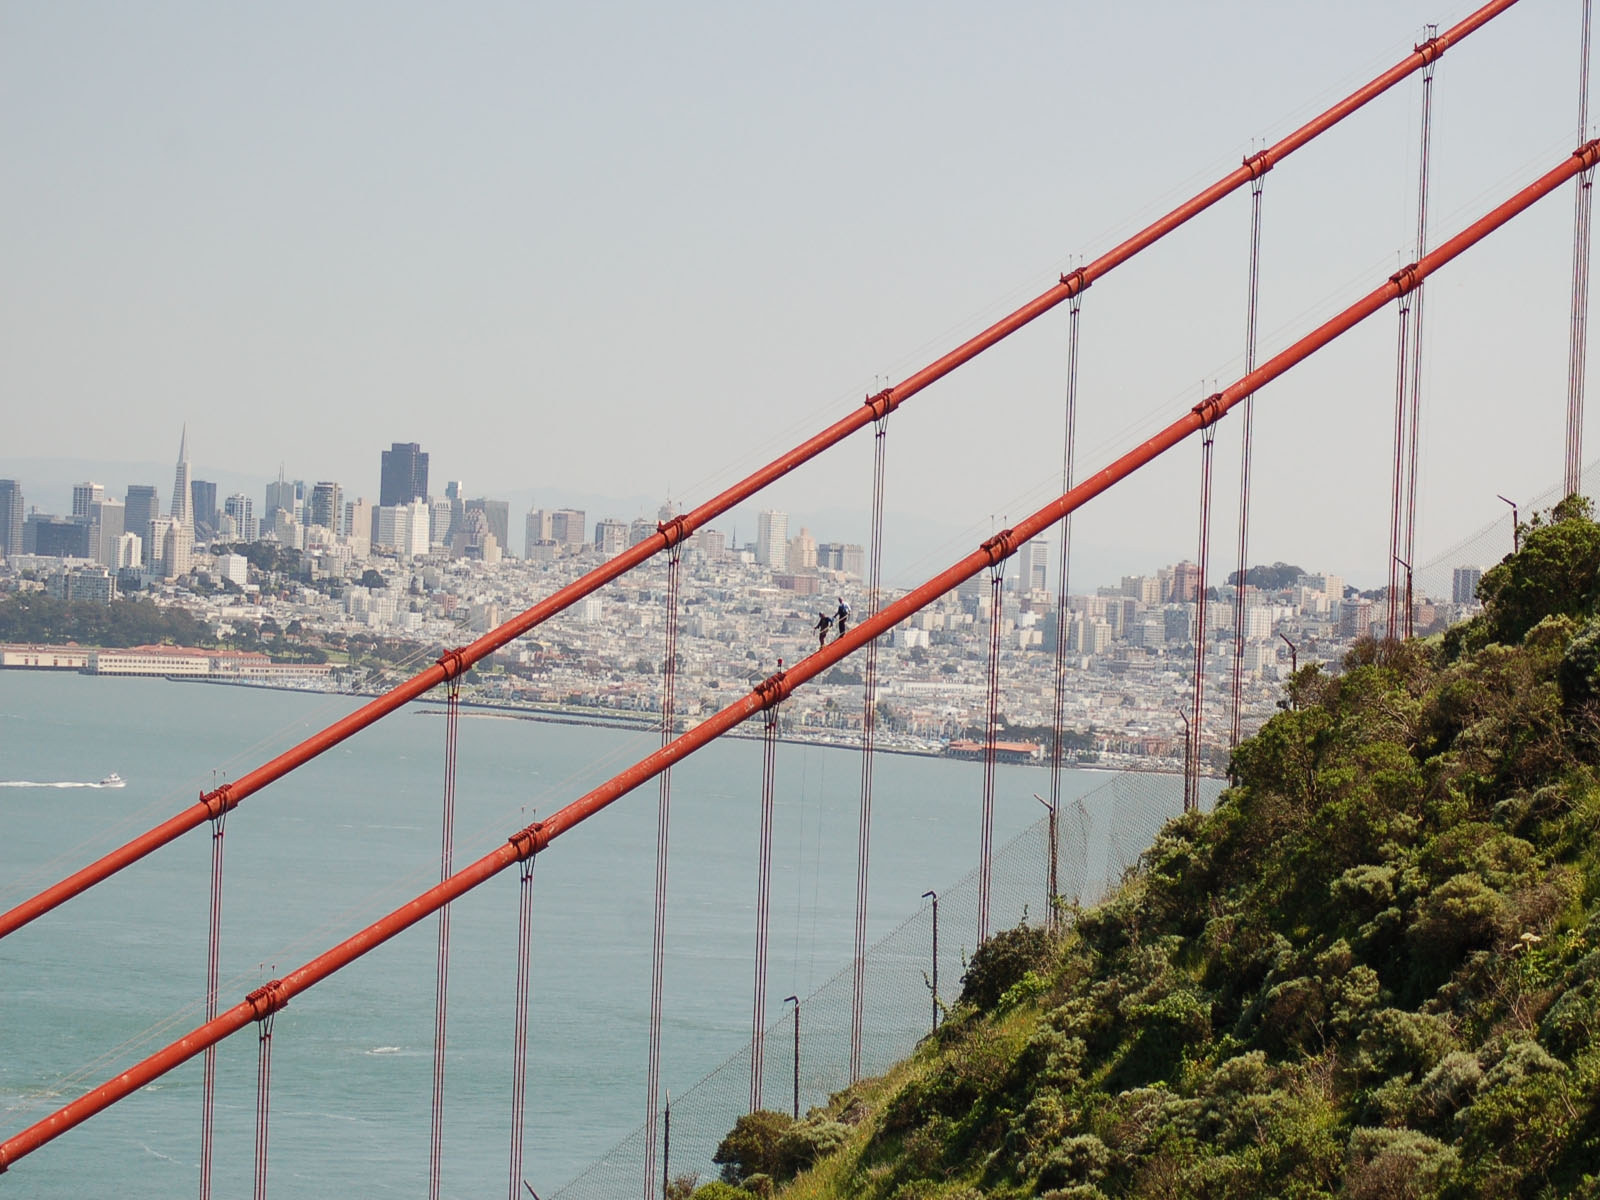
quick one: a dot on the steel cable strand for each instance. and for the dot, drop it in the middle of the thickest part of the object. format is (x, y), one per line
(669, 675)
(1241, 588)
(519, 1035)
(869, 718)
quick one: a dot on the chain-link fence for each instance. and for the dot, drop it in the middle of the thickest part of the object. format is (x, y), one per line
(1486, 546)
(1099, 836)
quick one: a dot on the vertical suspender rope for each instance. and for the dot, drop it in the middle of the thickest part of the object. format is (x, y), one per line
(1192, 782)
(758, 1009)
(1241, 590)
(519, 1037)
(1577, 354)
(997, 574)
(442, 977)
(208, 1094)
(1415, 382)
(669, 677)
(1396, 501)
(263, 1097)
(1063, 575)
(869, 718)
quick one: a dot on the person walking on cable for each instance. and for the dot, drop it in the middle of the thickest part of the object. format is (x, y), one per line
(840, 617)
(823, 621)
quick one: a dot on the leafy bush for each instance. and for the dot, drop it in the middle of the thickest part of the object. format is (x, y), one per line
(1396, 1164)
(752, 1147)
(1000, 963)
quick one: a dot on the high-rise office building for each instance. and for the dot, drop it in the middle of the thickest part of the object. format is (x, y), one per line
(83, 495)
(182, 501)
(358, 525)
(326, 506)
(55, 537)
(239, 511)
(1464, 584)
(1185, 582)
(173, 551)
(535, 529)
(203, 502)
(280, 498)
(772, 539)
(404, 528)
(498, 514)
(1032, 566)
(107, 524)
(567, 526)
(444, 521)
(803, 551)
(141, 506)
(610, 537)
(404, 476)
(456, 497)
(11, 516)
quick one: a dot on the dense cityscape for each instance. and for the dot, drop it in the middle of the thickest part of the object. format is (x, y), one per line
(318, 590)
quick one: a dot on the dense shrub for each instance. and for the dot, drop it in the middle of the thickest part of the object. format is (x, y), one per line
(1000, 963)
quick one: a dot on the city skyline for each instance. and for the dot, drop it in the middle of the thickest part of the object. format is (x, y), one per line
(505, 518)
(455, 314)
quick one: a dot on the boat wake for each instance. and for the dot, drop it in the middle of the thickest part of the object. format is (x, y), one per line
(110, 782)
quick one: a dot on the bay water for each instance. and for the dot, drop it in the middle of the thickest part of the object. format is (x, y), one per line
(119, 972)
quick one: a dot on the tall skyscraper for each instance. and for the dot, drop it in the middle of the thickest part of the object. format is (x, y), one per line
(1032, 566)
(1464, 584)
(280, 497)
(567, 526)
(106, 527)
(404, 476)
(239, 510)
(536, 529)
(203, 498)
(141, 506)
(326, 506)
(404, 528)
(11, 516)
(182, 501)
(498, 513)
(772, 539)
(83, 495)
(358, 521)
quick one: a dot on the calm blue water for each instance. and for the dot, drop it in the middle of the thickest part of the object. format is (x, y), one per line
(119, 972)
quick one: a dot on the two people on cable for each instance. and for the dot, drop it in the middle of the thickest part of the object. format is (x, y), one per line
(840, 618)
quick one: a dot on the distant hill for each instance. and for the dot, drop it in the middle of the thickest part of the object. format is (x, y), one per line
(1372, 972)
(1278, 575)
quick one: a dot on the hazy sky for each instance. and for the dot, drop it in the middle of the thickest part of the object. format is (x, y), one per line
(618, 248)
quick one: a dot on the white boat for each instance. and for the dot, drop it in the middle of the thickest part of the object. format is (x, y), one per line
(113, 780)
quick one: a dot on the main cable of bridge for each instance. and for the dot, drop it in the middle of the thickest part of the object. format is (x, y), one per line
(268, 999)
(450, 666)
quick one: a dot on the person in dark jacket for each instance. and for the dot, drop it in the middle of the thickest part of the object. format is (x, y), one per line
(823, 622)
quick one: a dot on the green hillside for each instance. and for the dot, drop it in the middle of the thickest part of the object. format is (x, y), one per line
(1373, 971)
